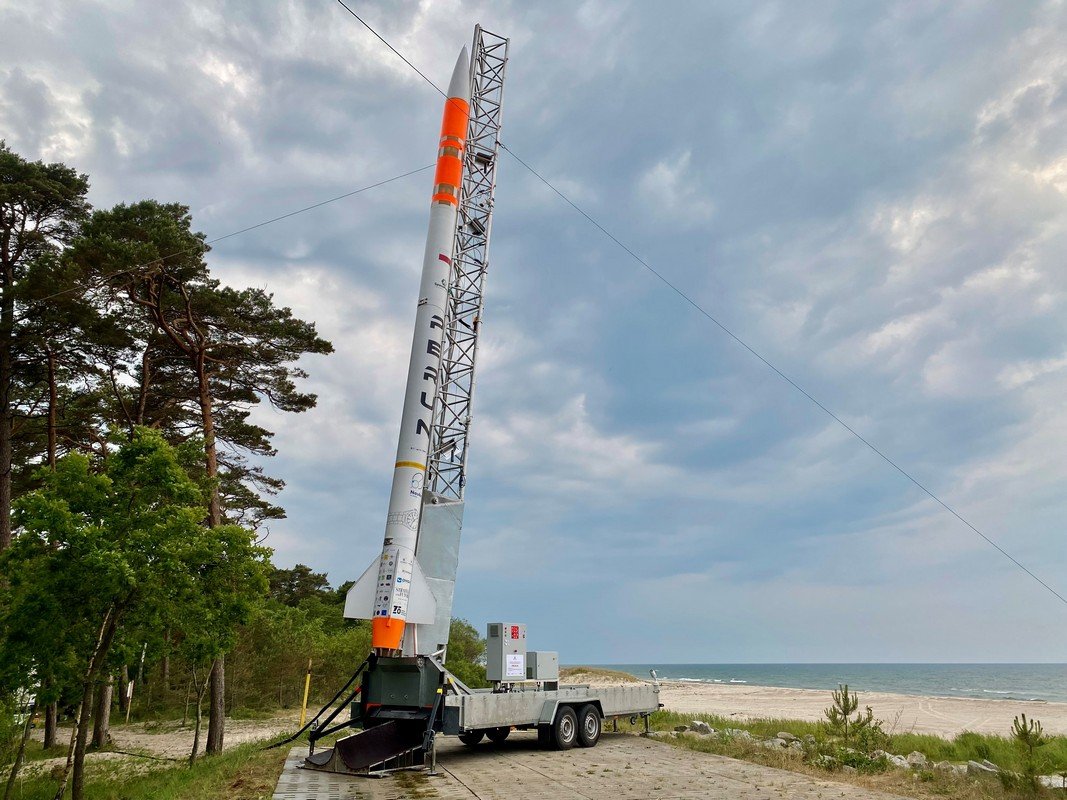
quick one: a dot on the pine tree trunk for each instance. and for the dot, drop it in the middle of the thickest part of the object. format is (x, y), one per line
(51, 720)
(124, 691)
(102, 714)
(199, 716)
(165, 661)
(217, 714)
(9, 792)
(53, 405)
(211, 461)
(80, 734)
(7, 325)
(217, 717)
(81, 741)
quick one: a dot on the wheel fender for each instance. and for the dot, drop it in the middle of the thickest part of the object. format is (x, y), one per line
(548, 712)
(550, 707)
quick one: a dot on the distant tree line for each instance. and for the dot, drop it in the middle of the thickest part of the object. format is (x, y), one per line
(132, 492)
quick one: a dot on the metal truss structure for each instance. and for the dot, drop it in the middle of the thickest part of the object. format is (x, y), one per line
(450, 433)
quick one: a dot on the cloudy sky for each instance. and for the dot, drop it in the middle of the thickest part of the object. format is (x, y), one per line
(874, 196)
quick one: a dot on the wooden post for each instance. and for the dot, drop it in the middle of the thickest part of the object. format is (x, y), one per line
(307, 688)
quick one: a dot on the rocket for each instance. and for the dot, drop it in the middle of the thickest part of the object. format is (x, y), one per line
(393, 592)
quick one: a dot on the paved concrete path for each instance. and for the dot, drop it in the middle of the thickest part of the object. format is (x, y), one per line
(621, 767)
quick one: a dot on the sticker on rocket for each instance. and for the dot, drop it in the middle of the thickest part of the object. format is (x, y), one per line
(515, 665)
(416, 485)
(395, 603)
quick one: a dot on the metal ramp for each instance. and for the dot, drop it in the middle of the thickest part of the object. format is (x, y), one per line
(396, 744)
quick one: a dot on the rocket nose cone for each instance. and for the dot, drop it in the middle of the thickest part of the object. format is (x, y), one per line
(460, 85)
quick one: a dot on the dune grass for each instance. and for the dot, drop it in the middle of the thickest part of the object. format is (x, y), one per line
(578, 674)
(967, 746)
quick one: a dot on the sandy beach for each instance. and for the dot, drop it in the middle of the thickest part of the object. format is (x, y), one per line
(945, 716)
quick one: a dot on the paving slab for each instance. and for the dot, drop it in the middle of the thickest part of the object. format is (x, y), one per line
(621, 767)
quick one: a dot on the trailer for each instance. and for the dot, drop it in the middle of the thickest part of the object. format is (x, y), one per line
(403, 704)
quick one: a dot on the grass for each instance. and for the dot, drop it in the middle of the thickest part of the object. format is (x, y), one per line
(921, 784)
(578, 674)
(244, 773)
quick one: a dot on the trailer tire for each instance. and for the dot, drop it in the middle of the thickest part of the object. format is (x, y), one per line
(497, 735)
(589, 725)
(471, 738)
(564, 729)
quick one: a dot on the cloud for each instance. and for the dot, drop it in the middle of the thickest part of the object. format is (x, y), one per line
(671, 193)
(875, 200)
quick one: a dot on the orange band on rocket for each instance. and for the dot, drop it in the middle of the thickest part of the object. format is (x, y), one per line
(449, 174)
(387, 632)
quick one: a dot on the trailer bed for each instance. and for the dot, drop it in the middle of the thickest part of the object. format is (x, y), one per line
(528, 707)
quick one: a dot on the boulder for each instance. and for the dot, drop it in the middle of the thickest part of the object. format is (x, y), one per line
(897, 761)
(917, 760)
(738, 734)
(787, 737)
(826, 762)
(950, 768)
(1052, 781)
(796, 746)
(991, 765)
(980, 768)
(697, 726)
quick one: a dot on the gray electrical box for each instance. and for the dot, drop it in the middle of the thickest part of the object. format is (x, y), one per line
(542, 665)
(505, 652)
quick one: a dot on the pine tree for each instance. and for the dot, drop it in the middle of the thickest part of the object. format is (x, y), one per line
(220, 350)
(839, 714)
(42, 207)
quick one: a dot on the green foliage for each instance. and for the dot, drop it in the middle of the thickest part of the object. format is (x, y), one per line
(10, 730)
(268, 664)
(466, 654)
(125, 547)
(290, 586)
(1029, 736)
(838, 715)
(847, 756)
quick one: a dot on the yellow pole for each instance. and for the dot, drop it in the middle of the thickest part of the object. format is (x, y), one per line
(307, 688)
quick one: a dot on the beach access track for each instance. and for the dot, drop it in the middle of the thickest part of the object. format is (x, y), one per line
(621, 766)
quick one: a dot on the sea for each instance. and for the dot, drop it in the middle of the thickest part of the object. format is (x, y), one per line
(1026, 682)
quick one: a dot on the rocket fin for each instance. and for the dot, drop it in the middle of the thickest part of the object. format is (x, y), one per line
(359, 602)
(422, 608)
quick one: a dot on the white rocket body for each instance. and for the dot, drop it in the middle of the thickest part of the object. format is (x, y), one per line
(394, 584)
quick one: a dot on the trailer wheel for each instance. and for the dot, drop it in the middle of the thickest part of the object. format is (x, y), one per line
(564, 729)
(588, 725)
(498, 735)
(471, 738)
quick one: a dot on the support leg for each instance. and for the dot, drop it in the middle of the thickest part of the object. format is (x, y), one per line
(433, 757)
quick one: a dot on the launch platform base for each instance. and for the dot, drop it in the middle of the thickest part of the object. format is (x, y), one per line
(391, 745)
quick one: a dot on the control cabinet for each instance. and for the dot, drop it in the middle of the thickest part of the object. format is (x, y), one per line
(505, 652)
(542, 665)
